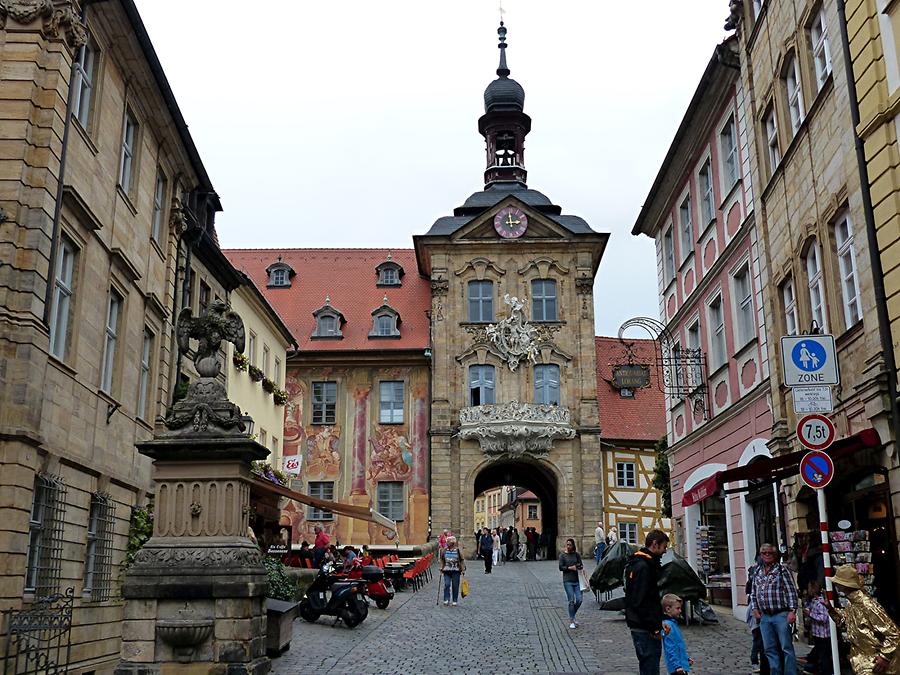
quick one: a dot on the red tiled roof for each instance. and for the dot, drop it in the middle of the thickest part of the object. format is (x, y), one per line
(347, 276)
(642, 418)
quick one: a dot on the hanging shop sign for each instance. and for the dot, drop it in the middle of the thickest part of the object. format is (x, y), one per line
(812, 400)
(631, 376)
(809, 360)
(815, 431)
(816, 469)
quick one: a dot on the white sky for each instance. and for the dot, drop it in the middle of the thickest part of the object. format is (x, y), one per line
(354, 123)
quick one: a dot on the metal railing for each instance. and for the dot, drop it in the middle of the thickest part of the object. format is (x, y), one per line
(38, 639)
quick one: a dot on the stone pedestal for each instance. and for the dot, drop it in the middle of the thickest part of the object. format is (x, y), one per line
(196, 592)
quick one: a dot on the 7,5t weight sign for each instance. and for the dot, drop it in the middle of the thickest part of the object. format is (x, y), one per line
(815, 432)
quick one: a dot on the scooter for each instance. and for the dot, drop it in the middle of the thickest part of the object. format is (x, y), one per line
(346, 601)
(378, 588)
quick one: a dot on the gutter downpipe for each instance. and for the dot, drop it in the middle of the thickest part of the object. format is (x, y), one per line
(430, 405)
(57, 207)
(884, 324)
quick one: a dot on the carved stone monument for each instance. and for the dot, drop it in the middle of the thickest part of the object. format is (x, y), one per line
(196, 591)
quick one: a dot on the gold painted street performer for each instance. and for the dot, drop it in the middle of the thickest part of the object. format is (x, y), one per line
(874, 638)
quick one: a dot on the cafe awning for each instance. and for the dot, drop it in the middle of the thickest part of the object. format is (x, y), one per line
(771, 469)
(359, 512)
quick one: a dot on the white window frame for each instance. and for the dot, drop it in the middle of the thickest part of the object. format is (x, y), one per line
(546, 384)
(626, 475)
(322, 489)
(770, 122)
(159, 205)
(816, 285)
(263, 437)
(789, 298)
(251, 347)
(85, 73)
(848, 270)
(533, 508)
(686, 226)
(668, 256)
(385, 325)
(391, 401)
(63, 297)
(126, 163)
(482, 378)
(544, 305)
(728, 154)
(265, 360)
(794, 87)
(327, 325)
(628, 532)
(389, 276)
(97, 578)
(483, 303)
(276, 373)
(146, 377)
(707, 193)
(692, 338)
(821, 51)
(114, 308)
(391, 499)
(715, 324)
(279, 277)
(324, 402)
(745, 325)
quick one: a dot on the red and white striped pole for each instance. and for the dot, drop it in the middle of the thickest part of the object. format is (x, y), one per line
(829, 587)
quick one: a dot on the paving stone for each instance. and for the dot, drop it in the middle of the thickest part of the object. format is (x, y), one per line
(514, 622)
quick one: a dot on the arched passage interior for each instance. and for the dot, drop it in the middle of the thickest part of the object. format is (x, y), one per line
(533, 477)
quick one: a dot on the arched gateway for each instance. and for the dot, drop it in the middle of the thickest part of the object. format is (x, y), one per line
(513, 360)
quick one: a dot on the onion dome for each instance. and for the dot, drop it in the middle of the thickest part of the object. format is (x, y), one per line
(503, 93)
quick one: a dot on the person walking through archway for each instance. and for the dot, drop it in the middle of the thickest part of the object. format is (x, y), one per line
(495, 539)
(570, 565)
(486, 549)
(452, 567)
(774, 601)
(643, 611)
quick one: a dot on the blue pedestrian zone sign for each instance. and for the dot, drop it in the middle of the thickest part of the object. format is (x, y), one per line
(809, 360)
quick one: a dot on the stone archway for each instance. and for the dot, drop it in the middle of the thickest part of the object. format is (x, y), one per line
(534, 476)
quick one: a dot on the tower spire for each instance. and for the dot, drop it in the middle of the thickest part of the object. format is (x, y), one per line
(502, 70)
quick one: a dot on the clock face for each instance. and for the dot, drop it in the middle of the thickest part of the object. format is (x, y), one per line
(510, 222)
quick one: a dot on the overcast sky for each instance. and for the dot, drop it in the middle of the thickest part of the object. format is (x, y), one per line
(354, 123)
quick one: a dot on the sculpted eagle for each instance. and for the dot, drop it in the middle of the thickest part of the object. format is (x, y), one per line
(217, 323)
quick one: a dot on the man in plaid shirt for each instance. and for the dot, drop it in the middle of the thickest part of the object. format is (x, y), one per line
(773, 602)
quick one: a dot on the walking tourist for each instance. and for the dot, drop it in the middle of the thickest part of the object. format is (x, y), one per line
(509, 542)
(320, 545)
(442, 540)
(612, 537)
(486, 549)
(643, 612)
(530, 543)
(820, 630)
(873, 636)
(452, 567)
(570, 564)
(515, 543)
(774, 604)
(495, 538)
(542, 545)
(677, 660)
(758, 661)
(599, 542)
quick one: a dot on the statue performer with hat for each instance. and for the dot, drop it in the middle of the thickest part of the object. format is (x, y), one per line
(874, 637)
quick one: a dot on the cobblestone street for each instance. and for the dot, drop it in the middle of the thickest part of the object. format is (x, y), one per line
(514, 621)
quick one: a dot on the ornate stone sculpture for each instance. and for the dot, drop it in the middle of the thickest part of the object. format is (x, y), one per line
(514, 337)
(61, 18)
(206, 408)
(515, 429)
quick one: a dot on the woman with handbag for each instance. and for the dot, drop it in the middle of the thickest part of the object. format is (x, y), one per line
(453, 566)
(571, 566)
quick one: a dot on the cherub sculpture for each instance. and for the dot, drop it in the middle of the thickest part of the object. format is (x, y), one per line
(217, 323)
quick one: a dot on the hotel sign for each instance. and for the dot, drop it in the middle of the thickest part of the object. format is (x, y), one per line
(632, 376)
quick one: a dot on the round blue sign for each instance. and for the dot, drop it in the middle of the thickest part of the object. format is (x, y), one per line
(816, 469)
(809, 356)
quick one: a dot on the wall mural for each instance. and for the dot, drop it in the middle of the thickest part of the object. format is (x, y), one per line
(392, 457)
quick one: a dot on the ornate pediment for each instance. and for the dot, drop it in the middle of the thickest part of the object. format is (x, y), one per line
(515, 429)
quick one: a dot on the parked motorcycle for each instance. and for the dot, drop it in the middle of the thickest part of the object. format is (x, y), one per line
(344, 600)
(378, 588)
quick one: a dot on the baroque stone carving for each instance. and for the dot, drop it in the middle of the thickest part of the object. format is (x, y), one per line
(206, 408)
(440, 286)
(735, 13)
(584, 285)
(198, 557)
(514, 337)
(62, 18)
(515, 429)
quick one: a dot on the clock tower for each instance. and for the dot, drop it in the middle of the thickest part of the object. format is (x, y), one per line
(504, 124)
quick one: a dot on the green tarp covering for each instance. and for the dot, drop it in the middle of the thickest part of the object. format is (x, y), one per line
(677, 575)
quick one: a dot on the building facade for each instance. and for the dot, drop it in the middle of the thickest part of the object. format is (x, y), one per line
(817, 270)
(700, 211)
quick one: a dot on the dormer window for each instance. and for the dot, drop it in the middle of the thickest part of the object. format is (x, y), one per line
(329, 322)
(385, 322)
(280, 274)
(389, 273)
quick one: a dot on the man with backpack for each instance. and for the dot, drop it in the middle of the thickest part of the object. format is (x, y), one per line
(643, 611)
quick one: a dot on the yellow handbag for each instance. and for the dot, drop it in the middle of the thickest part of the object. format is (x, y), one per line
(464, 588)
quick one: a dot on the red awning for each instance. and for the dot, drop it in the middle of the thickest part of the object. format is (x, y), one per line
(776, 468)
(705, 488)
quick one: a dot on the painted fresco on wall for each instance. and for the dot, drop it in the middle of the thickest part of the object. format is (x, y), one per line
(294, 434)
(392, 457)
(323, 457)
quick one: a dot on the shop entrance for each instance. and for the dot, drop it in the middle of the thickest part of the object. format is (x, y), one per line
(532, 477)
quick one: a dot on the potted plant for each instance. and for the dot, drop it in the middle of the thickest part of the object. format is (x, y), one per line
(280, 396)
(268, 385)
(240, 361)
(255, 373)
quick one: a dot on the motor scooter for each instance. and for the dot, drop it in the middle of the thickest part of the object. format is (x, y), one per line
(344, 600)
(378, 588)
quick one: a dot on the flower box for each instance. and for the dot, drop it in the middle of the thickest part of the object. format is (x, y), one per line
(268, 385)
(255, 373)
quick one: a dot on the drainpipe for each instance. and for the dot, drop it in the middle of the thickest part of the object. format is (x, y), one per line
(57, 207)
(430, 354)
(884, 324)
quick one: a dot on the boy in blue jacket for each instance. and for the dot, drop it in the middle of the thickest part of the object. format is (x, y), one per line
(677, 660)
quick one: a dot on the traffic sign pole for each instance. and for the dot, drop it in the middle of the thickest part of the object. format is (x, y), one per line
(829, 587)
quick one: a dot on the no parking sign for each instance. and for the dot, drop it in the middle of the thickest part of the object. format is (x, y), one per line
(816, 469)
